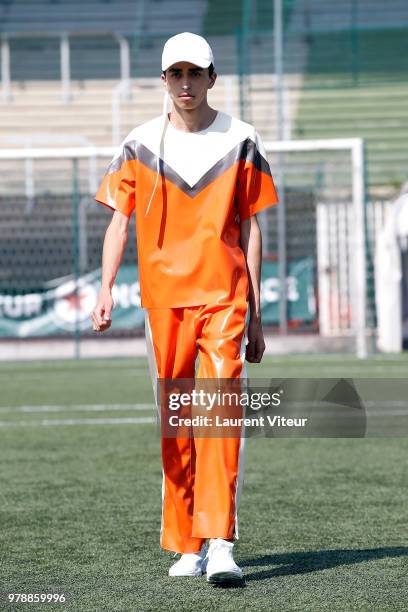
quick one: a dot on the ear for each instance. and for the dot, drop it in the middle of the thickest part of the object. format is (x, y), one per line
(164, 81)
(213, 78)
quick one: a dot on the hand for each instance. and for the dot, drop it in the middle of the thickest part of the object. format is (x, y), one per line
(256, 344)
(101, 314)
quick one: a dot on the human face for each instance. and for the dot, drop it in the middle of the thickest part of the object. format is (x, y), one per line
(187, 84)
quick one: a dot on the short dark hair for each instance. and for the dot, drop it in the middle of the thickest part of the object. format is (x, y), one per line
(210, 70)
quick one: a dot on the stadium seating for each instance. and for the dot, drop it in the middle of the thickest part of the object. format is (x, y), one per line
(323, 16)
(120, 16)
(350, 89)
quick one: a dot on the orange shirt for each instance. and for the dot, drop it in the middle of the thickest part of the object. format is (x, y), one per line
(188, 243)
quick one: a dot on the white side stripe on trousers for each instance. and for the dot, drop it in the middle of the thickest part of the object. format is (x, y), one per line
(241, 456)
(151, 358)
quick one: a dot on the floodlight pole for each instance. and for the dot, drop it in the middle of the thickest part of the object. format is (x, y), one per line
(280, 177)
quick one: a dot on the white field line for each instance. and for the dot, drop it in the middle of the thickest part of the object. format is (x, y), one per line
(76, 408)
(47, 422)
(386, 407)
(343, 371)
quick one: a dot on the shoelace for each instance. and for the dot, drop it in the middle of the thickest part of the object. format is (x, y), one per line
(220, 545)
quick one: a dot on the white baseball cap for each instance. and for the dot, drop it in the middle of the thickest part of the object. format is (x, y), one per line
(187, 47)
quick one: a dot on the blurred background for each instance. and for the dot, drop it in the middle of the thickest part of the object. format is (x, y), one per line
(324, 84)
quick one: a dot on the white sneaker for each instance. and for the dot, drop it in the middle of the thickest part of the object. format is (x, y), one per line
(220, 564)
(189, 564)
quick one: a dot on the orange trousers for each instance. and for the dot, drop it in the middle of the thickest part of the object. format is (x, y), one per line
(202, 477)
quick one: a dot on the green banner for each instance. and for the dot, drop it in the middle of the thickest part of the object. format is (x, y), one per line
(61, 307)
(299, 287)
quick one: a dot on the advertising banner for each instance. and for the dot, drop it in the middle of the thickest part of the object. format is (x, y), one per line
(64, 306)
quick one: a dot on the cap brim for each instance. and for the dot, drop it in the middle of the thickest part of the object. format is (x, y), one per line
(200, 62)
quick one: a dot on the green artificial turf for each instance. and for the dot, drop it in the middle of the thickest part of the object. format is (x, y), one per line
(322, 522)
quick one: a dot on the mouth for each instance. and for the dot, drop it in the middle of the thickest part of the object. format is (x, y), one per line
(185, 96)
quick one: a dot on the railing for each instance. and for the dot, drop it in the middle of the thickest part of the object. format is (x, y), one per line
(65, 61)
(122, 89)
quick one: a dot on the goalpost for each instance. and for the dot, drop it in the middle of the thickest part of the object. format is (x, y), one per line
(340, 235)
(322, 189)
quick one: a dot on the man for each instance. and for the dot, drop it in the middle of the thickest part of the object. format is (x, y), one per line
(196, 179)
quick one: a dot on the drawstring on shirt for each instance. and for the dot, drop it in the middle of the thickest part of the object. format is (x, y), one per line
(163, 125)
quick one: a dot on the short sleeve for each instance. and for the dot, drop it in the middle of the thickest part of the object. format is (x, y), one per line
(117, 189)
(256, 189)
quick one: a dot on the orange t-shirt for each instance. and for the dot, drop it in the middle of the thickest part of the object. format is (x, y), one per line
(189, 250)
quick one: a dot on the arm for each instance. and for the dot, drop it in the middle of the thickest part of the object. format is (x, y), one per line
(251, 241)
(113, 247)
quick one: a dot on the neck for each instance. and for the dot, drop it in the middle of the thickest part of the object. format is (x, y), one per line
(192, 120)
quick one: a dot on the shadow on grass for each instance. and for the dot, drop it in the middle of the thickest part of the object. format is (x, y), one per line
(314, 561)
